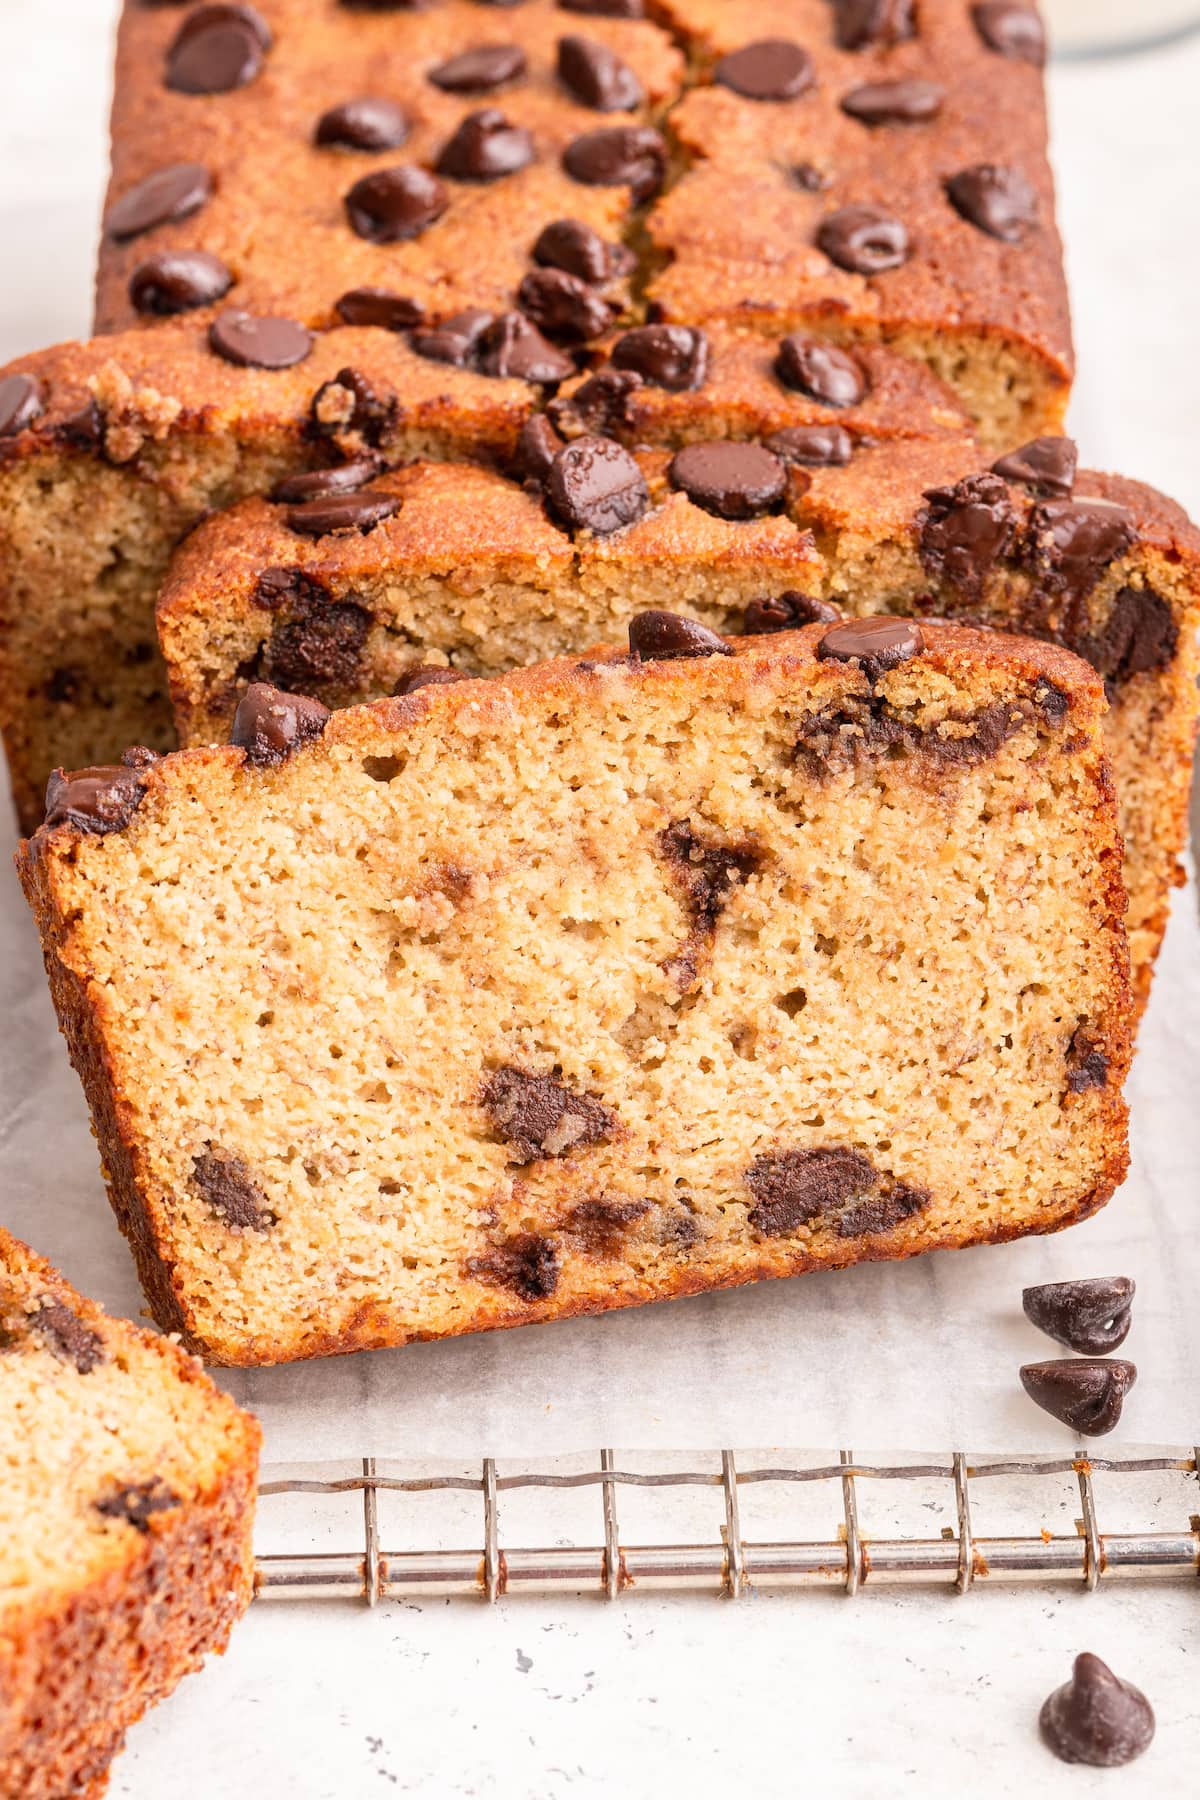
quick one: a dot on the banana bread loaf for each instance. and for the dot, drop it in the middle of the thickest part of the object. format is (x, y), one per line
(125, 1527)
(609, 980)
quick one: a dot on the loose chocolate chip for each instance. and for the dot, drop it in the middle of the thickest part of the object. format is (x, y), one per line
(1047, 465)
(1092, 1317)
(428, 675)
(98, 800)
(705, 868)
(964, 530)
(806, 175)
(819, 369)
(1096, 1718)
(21, 402)
(876, 644)
(1087, 1394)
(268, 725)
(596, 76)
(455, 339)
(910, 102)
(293, 490)
(526, 1263)
(217, 49)
(563, 306)
(1087, 1064)
(769, 69)
(667, 356)
(478, 70)
(860, 23)
(349, 403)
(538, 1115)
(159, 199)
(318, 649)
(670, 637)
(1011, 30)
(368, 123)
(606, 9)
(485, 147)
(512, 348)
(732, 480)
(259, 343)
(570, 245)
(537, 447)
(602, 404)
(812, 446)
(341, 513)
(1072, 542)
(379, 306)
(177, 281)
(595, 485)
(136, 1503)
(632, 156)
(66, 1334)
(1140, 634)
(863, 240)
(787, 612)
(996, 198)
(393, 205)
(790, 1190)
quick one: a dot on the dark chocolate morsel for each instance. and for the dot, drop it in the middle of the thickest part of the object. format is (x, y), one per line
(876, 644)
(574, 247)
(1011, 30)
(908, 102)
(1096, 1718)
(21, 402)
(138, 1502)
(860, 23)
(349, 403)
(269, 724)
(526, 1262)
(217, 49)
(317, 647)
(65, 1333)
(965, 530)
(594, 484)
(563, 306)
(1087, 1393)
(1072, 542)
(1047, 465)
(537, 447)
(259, 343)
(667, 356)
(815, 367)
(606, 9)
(177, 281)
(512, 348)
(603, 404)
(812, 446)
(479, 69)
(393, 205)
(343, 512)
(996, 198)
(596, 76)
(807, 176)
(734, 480)
(455, 339)
(317, 483)
(657, 636)
(787, 612)
(379, 306)
(1092, 1317)
(799, 1185)
(769, 69)
(539, 1115)
(485, 147)
(159, 199)
(1087, 1064)
(1141, 633)
(230, 1190)
(863, 240)
(99, 800)
(704, 867)
(428, 675)
(632, 156)
(368, 123)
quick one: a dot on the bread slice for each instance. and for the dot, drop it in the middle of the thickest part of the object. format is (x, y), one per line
(610, 980)
(125, 1527)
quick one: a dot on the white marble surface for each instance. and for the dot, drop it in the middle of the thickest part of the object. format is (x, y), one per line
(891, 1694)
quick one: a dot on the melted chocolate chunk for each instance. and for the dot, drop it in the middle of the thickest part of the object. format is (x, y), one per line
(876, 644)
(812, 446)
(910, 102)
(996, 198)
(1047, 465)
(65, 1333)
(769, 69)
(259, 343)
(596, 76)
(883, 1212)
(863, 240)
(1071, 543)
(1011, 30)
(318, 483)
(99, 800)
(569, 245)
(632, 156)
(513, 348)
(349, 403)
(21, 402)
(217, 49)
(1140, 634)
(965, 530)
(368, 123)
(538, 1115)
(1092, 1317)
(1095, 1718)
(706, 869)
(601, 1227)
(379, 306)
(861, 23)
(731, 479)
(486, 147)
(320, 646)
(563, 306)
(480, 69)
(159, 199)
(394, 205)
(819, 369)
(807, 176)
(137, 1503)
(268, 725)
(595, 485)
(537, 448)
(600, 406)
(340, 513)
(177, 281)
(667, 356)
(226, 1184)
(526, 1263)
(787, 612)
(670, 637)
(278, 588)
(1087, 1394)
(428, 675)
(800, 1185)
(455, 339)
(1087, 1064)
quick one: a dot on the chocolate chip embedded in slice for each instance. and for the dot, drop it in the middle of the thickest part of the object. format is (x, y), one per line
(21, 402)
(379, 306)
(819, 369)
(882, 1212)
(860, 23)
(278, 588)
(485, 147)
(602, 405)
(137, 1503)
(1072, 542)
(596, 76)
(800, 1185)
(537, 447)
(178, 281)
(226, 1184)
(99, 800)
(65, 1333)
(217, 49)
(1087, 1394)
(1011, 30)
(527, 1263)
(910, 102)
(563, 306)
(428, 675)
(159, 199)
(733, 480)
(350, 403)
(876, 644)
(259, 343)
(538, 1115)
(632, 156)
(455, 339)
(1047, 465)
(707, 868)
(393, 205)
(863, 240)
(332, 513)
(996, 199)
(595, 485)
(656, 636)
(812, 446)
(570, 245)
(1087, 1064)
(605, 9)
(809, 178)
(965, 530)
(768, 69)
(269, 725)
(1092, 1317)
(787, 612)
(319, 649)
(1140, 634)
(511, 347)
(479, 69)
(1096, 1718)
(369, 123)
(293, 490)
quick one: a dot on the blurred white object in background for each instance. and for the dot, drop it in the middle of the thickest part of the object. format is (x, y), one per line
(1100, 27)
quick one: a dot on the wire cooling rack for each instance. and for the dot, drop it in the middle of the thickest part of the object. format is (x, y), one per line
(730, 1563)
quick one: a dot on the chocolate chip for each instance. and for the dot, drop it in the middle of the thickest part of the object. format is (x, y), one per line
(526, 1263)
(379, 306)
(21, 402)
(1047, 465)
(512, 348)
(800, 1185)
(819, 369)
(910, 102)
(1096, 1718)
(455, 339)
(368, 123)
(787, 612)
(602, 404)
(667, 356)
(1087, 1064)
(670, 637)
(570, 245)
(602, 1226)
(1011, 30)
(876, 644)
(1087, 1393)
(479, 69)
(341, 513)
(965, 530)
(632, 156)
(883, 1212)
(428, 675)
(863, 240)
(1139, 634)
(537, 447)
(319, 647)
(563, 306)
(1072, 542)
(606, 9)
(136, 1503)
(177, 281)
(812, 446)
(1092, 1317)
(83, 430)
(538, 1115)
(65, 1333)
(860, 23)
(996, 198)
(217, 49)
(596, 76)
(279, 588)
(100, 799)
(228, 1187)
(293, 490)
(394, 205)
(806, 175)
(732, 480)
(705, 868)
(485, 147)
(595, 485)
(769, 69)
(159, 199)
(259, 343)
(268, 725)
(349, 403)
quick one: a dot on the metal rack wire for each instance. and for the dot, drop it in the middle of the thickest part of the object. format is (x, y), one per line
(730, 1564)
